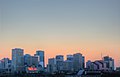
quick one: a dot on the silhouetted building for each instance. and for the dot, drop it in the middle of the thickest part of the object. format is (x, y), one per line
(78, 62)
(5, 65)
(73, 63)
(51, 68)
(70, 57)
(27, 60)
(68, 66)
(96, 65)
(109, 62)
(40, 54)
(34, 61)
(59, 62)
(18, 60)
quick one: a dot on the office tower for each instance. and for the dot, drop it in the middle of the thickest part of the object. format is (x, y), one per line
(27, 60)
(8, 66)
(30, 60)
(18, 60)
(51, 65)
(78, 61)
(34, 61)
(68, 64)
(89, 65)
(31, 63)
(40, 54)
(109, 62)
(5, 65)
(59, 62)
(5, 62)
(70, 57)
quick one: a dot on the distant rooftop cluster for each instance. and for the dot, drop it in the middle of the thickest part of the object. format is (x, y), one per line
(34, 64)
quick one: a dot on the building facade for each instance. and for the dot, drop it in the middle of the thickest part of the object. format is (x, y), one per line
(59, 62)
(5, 65)
(51, 68)
(78, 61)
(18, 60)
(27, 60)
(109, 62)
(40, 55)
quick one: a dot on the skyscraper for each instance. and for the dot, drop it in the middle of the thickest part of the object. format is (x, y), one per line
(68, 64)
(18, 60)
(109, 62)
(30, 60)
(59, 62)
(70, 57)
(51, 65)
(27, 60)
(34, 61)
(40, 54)
(78, 61)
(5, 65)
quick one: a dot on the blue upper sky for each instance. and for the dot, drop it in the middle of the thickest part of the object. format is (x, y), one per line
(51, 16)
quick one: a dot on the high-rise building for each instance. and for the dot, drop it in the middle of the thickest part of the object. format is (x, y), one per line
(30, 60)
(78, 61)
(27, 60)
(109, 62)
(70, 57)
(74, 63)
(18, 60)
(40, 54)
(4, 62)
(34, 61)
(31, 63)
(51, 65)
(89, 65)
(59, 62)
(68, 64)
(5, 65)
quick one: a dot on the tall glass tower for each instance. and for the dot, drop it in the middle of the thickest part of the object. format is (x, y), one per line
(40, 54)
(17, 59)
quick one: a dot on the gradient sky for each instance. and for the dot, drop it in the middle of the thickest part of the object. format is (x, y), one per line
(90, 27)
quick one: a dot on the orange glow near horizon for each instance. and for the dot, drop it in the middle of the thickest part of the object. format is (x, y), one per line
(50, 52)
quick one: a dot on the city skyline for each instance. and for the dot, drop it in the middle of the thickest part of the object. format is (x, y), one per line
(41, 55)
(75, 63)
(61, 27)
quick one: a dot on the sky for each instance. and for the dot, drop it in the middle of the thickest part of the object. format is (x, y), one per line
(90, 27)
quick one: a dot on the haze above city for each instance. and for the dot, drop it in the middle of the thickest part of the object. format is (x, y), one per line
(90, 27)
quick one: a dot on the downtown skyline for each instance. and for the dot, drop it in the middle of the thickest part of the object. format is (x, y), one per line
(42, 56)
(27, 63)
(61, 27)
